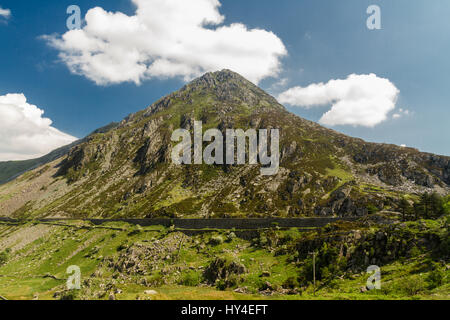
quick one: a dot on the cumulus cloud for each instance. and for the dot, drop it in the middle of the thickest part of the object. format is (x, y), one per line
(166, 38)
(5, 13)
(24, 133)
(359, 100)
(401, 113)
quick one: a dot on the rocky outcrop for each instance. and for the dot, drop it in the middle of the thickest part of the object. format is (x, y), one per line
(77, 158)
(361, 248)
(223, 270)
(392, 164)
(347, 201)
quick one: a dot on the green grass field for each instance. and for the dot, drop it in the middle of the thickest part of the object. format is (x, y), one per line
(122, 261)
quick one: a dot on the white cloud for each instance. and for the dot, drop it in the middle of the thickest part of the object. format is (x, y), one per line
(166, 38)
(24, 133)
(359, 100)
(401, 113)
(5, 13)
(280, 84)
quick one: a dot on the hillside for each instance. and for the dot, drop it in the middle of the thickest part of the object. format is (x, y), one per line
(127, 171)
(122, 261)
(10, 170)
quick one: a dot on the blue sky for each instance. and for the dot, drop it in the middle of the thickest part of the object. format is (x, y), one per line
(324, 40)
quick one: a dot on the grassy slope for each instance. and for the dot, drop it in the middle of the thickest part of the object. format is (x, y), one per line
(179, 276)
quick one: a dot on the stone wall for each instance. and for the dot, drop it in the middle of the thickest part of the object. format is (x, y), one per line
(259, 223)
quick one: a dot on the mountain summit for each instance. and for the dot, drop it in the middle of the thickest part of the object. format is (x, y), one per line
(127, 171)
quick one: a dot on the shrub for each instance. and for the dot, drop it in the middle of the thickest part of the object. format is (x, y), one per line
(430, 205)
(447, 205)
(328, 265)
(435, 279)
(444, 247)
(190, 279)
(156, 279)
(221, 285)
(263, 241)
(372, 209)
(412, 286)
(230, 282)
(290, 283)
(216, 240)
(4, 256)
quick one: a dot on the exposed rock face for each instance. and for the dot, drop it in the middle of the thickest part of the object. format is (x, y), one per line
(342, 204)
(394, 164)
(143, 259)
(223, 270)
(127, 169)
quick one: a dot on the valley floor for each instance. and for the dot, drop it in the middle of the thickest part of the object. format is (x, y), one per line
(123, 261)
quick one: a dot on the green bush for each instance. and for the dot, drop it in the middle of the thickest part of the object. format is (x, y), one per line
(447, 205)
(290, 283)
(4, 256)
(190, 279)
(221, 285)
(372, 209)
(444, 247)
(230, 282)
(412, 286)
(156, 279)
(328, 265)
(216, 240)
(435, 279)
(430, 205)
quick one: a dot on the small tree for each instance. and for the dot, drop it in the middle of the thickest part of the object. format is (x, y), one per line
(436, 205)
(430, 205)
(405, 208)
(418, 210)
(425, 205)
(446, 205)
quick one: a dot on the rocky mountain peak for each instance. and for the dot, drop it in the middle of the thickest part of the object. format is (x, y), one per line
(230, 87)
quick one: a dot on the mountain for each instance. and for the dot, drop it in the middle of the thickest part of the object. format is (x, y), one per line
(127, 171)
(10, 170)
